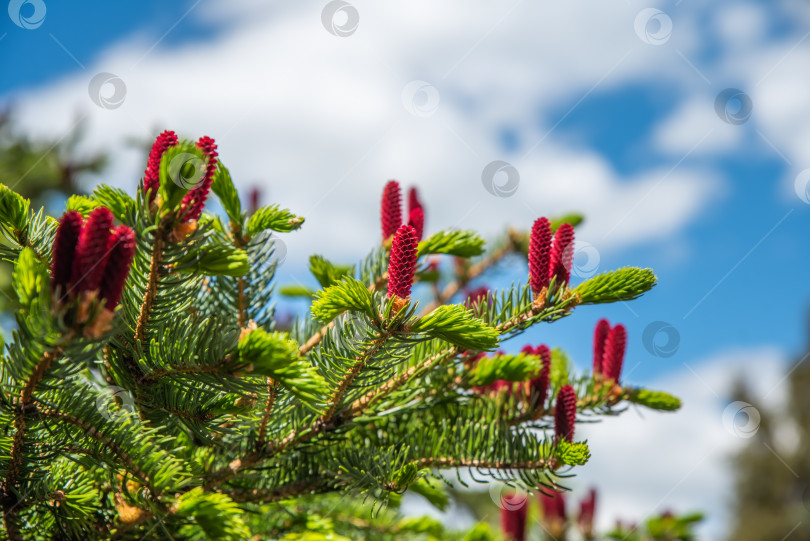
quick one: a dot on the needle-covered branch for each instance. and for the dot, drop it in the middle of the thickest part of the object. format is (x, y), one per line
(152, 391)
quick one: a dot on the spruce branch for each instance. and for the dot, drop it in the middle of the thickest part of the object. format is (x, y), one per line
(364, 399)
(22, 409)
(318, 336)
(359, 363)
(158, 245)
(108, 443)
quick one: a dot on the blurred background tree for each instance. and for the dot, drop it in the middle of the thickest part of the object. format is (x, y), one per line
(44, 170)
(772, 494)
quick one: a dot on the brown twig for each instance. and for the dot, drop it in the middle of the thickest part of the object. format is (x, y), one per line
(212, 369)
(272, 391)
(284, 492)
(22, 408)
(450, 462)
(108, 443)
(152, 285)
(350, 377)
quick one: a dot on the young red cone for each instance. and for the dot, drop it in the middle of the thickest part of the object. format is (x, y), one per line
(562, 254)
(416, 219)
(151, 177)
(565, 413)
(553, 506)
(391, 209)
(539, 247)
(599, 336)
(587, 511)
(122, 251)
(64, 250)
(255, 195)
(413, 200)
(615, 345)
(91, 251)
(539, 385)
(402, 262)
(514, 510)
(477, 295)
(555, 520)
(194, 200)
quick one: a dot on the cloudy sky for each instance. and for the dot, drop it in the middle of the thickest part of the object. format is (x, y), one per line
(681, 130)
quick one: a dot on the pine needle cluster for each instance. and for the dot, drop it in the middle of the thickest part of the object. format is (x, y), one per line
(187, 412)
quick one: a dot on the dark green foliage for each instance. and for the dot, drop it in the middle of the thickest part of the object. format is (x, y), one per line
(771, 497)
(190, 415)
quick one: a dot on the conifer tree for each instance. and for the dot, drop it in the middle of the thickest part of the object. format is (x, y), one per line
(147, 392)
(771, 493)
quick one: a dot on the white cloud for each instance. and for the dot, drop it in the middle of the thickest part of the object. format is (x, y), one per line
(741, 24)
(695, 129)
(645, 462)
(320, 121)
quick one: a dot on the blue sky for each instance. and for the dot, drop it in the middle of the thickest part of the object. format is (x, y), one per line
(318, 120)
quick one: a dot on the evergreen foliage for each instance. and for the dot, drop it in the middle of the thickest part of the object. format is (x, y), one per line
(190, 415)
(771, 493)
